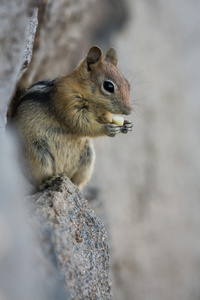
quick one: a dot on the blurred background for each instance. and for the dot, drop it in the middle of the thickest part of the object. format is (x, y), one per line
(149, 180)
(145, 185)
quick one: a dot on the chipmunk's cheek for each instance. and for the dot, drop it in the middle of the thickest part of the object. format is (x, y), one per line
(105, 118)
(108, 117)
(118, 120)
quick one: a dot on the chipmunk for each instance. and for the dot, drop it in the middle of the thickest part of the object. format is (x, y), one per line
(55, 119)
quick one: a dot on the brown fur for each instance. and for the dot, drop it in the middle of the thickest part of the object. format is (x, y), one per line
(55, 132)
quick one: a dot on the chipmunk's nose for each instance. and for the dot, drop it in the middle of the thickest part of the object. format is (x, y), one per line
(127, 110)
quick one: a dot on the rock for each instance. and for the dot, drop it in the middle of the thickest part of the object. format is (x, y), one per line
(64, 29)
(25, 271)
(52, 246)
(14, 21)
(76, 238)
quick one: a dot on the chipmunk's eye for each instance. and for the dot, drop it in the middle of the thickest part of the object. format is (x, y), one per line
(108, 86)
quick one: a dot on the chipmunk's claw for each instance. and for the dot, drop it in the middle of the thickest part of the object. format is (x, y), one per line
(127, 126)
(49, 183)
(113, 129)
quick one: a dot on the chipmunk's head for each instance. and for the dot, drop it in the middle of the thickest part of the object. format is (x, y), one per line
(106, 88)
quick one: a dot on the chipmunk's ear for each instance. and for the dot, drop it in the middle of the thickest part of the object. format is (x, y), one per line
(111, 56)
(94, 57)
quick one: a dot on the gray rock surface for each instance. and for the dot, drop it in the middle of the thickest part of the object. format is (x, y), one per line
(14, 20)
(66, 27)
(78, 238)
(26, 272)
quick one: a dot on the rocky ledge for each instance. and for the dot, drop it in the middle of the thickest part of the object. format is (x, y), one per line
(73, 238)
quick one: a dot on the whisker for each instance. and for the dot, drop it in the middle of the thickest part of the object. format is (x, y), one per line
(135, 84)
(136, 76)
(138, 101)
(126, 73)
(138, 104)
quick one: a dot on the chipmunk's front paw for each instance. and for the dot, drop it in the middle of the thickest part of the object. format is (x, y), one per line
(113, 129)
(127, 126)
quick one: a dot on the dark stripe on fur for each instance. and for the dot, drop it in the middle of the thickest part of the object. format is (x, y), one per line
(86, 155)
(43, 152)
(42, 95)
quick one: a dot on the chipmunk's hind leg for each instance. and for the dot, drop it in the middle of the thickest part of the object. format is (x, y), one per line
(86, 164)
(41, 161)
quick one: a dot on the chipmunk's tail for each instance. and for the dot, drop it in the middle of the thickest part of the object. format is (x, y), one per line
(20, 89)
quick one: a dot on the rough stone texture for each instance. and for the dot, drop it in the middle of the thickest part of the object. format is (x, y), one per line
(18, 279)
(14, 23)
(64, 31)
(29, 39)
(78, 237)
(25, 271)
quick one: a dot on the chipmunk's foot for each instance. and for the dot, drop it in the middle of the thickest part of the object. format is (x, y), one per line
(127, 126)
(49, 183)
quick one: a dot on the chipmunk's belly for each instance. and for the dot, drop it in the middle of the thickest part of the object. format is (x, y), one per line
(67, 153)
